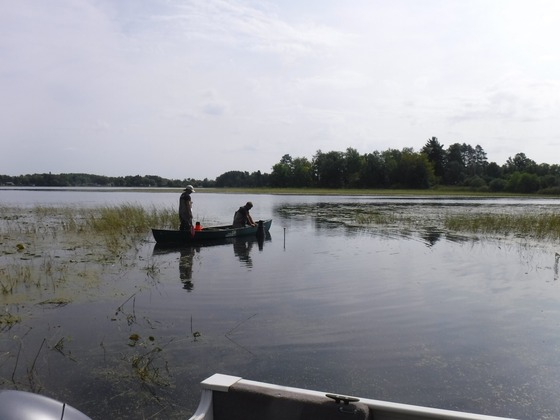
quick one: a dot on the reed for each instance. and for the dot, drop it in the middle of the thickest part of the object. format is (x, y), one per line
(123, 218)
(536, 226)
(39, 246)
(129, 218)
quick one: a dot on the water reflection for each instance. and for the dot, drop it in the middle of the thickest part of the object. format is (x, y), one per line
(431, 236)
(242, 249)
(243, 246)
(186, 266)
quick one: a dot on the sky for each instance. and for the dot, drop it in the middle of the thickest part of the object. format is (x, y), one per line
(195, 88)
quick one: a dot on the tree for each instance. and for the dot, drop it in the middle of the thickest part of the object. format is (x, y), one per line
(374, 172)
(282, 173)
(523, 182)
(353, 163)
(407, 169)
(455, 172)
(455, 154)
(479, 161)
(416, 170)
(493, 170)
(302, 173)
(436, 155)
(520, 163)
(233, 179)
(329, 169)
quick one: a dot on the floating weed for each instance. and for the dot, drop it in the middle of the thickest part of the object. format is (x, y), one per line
(152, 268)
(60, 346)
(56, 302)
(7, 320)
(148, 366)
(133, 339)
(376, 218)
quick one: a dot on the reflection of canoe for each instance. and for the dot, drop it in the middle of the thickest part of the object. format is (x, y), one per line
(163, 236)
(167, 248)
(231, 397)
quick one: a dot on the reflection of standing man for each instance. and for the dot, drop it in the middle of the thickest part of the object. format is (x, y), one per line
(186, 267)
(185, 208)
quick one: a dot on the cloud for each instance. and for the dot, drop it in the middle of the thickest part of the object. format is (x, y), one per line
(247, 82)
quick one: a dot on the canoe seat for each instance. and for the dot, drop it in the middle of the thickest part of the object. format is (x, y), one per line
(249, 402)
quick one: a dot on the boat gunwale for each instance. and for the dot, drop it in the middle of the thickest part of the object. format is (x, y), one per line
(378, 409)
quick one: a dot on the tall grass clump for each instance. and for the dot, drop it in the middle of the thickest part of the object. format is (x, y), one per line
(537, 226)
(129, 219)
(122, 225)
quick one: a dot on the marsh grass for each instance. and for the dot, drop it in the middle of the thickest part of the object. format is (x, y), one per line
(535, 226)
(380, 218)
(41, 246)
(124, 219)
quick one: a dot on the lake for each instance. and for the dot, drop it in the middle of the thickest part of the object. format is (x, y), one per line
(417, 316)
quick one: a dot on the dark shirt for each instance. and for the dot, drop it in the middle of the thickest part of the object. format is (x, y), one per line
(241, 217)
(185, 210)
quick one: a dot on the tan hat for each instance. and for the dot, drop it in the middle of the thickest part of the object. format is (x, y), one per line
(189, 188)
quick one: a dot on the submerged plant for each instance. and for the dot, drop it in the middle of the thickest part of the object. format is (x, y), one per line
(148, 366)
(7, 320)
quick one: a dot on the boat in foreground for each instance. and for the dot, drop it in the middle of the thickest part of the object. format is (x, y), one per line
(174, 237)
(21, 405)
(227, 397)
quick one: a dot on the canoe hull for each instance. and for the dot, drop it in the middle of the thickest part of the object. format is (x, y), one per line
(227, 397)
(177, 237)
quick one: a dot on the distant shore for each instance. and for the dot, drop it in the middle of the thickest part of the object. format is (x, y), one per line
(436, 192)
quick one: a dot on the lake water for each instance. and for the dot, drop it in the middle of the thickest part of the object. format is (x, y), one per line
(413, 316)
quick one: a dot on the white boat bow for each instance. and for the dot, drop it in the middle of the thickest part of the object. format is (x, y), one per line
(227, 397)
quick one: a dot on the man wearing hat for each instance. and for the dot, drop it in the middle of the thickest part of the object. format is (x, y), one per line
(185, 208)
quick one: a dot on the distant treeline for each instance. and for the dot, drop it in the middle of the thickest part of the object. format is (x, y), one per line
(459, 165)
(89, 180)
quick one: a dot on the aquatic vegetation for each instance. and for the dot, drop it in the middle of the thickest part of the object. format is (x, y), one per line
(148, 366)
(534, 225)
(7, 320)
(152, 268)
(50, 249)
(377, 218)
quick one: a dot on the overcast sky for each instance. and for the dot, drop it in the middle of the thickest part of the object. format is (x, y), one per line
(193, 89)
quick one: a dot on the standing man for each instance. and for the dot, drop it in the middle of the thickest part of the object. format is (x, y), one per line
(185, 208)
(242, 217)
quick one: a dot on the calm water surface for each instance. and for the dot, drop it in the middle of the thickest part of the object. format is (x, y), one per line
(418, 317)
